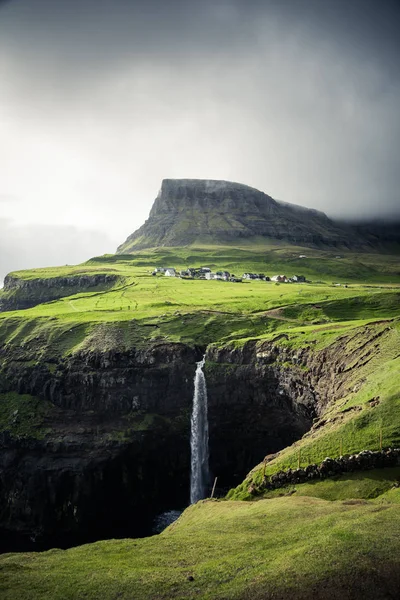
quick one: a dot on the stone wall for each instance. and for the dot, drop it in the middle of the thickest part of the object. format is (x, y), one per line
(329, 467)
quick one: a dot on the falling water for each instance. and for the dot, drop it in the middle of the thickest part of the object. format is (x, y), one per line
(199, 475)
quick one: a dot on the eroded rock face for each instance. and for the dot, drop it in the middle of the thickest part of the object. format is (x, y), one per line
(255, 408)
(24, 293)
(187, 210)
(113, 449)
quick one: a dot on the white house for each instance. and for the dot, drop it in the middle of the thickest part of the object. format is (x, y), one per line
(170, 272)
(211, 275)
(280, 278)
(224, 275)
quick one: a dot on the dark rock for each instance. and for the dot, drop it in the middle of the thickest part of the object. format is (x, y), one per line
(24, 293)
(190, 209)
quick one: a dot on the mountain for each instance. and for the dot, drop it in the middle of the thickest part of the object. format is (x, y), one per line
(188, 211)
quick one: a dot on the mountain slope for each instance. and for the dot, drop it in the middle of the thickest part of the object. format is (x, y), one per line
(188, 211)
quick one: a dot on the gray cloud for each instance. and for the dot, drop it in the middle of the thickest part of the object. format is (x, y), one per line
(101, 99)
(32, 246)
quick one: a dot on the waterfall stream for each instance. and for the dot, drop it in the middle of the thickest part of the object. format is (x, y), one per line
(199, 475)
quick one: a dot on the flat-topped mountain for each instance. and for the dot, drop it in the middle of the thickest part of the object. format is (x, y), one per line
(188, 211)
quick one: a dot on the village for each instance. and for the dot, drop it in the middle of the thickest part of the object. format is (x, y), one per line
(206, 273)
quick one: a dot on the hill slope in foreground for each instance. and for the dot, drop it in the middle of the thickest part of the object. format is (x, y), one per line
(96, 386)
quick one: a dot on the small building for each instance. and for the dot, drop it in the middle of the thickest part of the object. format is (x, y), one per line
(224, 275)
(170, 272)
(184, 274)
(210, 275)
(299, 278)
(279, 278)
(249, 276)
(160, 270)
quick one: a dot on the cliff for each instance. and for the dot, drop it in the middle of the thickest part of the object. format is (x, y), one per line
(19, 293)
(95, 442)
(187, 211)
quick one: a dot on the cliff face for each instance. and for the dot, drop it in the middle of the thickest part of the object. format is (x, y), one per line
(190, 210)
(112, 449)
(25, 293)
(109, 452)
(105, 444)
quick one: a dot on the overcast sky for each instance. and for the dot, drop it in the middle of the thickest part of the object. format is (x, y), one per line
(102, 99)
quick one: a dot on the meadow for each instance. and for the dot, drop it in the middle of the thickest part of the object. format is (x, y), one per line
(188, 310)
(292, 547)
(338, 538)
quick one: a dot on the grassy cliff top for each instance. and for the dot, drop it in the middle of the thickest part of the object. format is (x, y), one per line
(143, 307)
(292, 547)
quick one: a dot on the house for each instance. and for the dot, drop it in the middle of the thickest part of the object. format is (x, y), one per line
(302, 256)
(192, 272)
(200, 271)
(224, 275)
(170, 272)
(210, 275)
(280, 278)
(299, 278)
(184, 274)
(160, 270)
(249, 276)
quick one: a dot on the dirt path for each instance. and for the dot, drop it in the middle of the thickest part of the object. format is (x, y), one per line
(276, 313)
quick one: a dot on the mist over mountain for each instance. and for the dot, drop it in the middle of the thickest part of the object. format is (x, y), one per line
(190, 211)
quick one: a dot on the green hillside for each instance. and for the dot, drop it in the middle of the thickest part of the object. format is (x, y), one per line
(293, 547)
(325, 539)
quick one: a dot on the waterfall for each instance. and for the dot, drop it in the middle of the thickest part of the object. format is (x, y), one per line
(199, 475)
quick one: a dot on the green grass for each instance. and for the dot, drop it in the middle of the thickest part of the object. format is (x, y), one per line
(334, 535)
(277, 548)
(212, 311)
(23, 416)
(350, 422)
(379, 484)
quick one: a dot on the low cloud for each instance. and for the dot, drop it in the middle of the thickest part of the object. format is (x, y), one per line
(101, 100)
(32, 246)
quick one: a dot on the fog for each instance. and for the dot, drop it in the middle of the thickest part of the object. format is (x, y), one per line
(101, 100)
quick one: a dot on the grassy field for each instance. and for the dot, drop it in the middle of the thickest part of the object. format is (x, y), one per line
(292, 547)
(327, 266)
(206, 311)
(338, 538)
